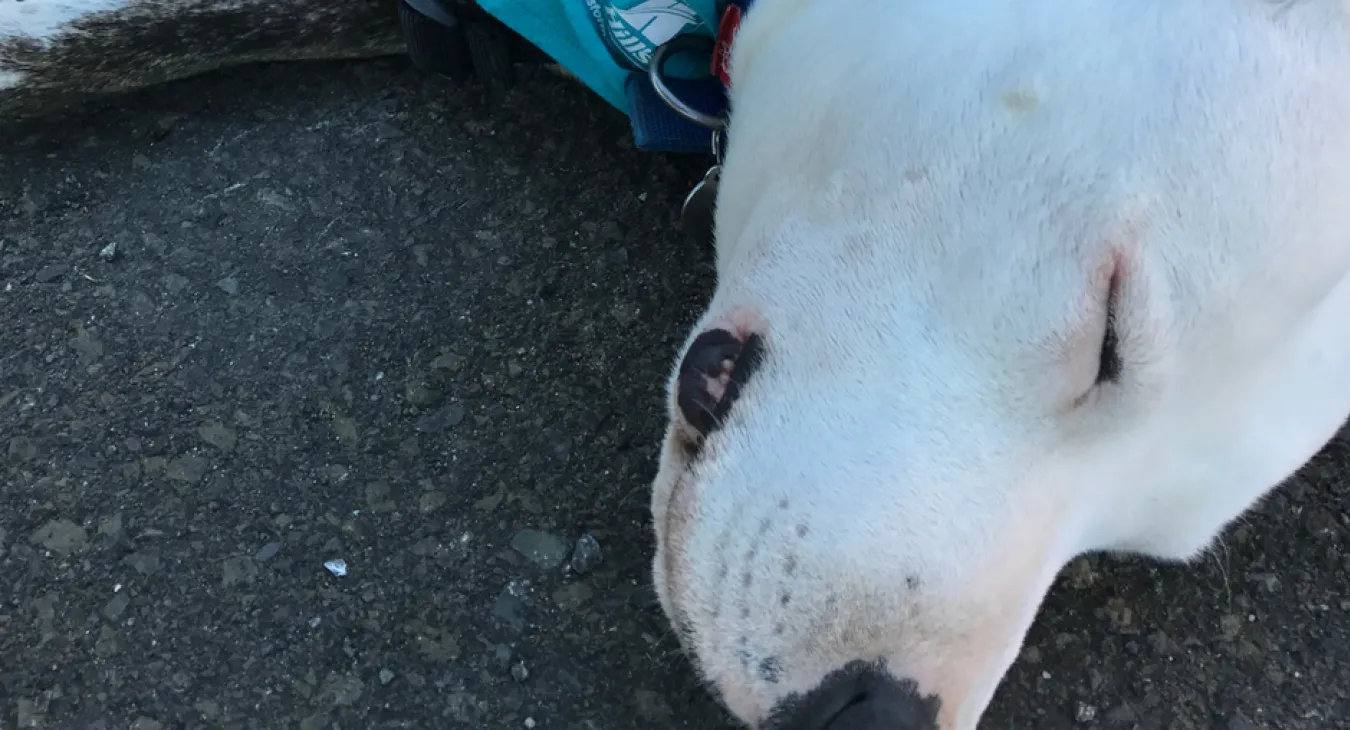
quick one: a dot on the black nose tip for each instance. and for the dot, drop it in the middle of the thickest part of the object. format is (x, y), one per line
(859, 696)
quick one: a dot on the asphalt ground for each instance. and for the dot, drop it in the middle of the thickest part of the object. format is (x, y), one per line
(261, 320)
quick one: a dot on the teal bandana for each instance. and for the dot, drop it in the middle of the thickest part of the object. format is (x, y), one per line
(602, 42)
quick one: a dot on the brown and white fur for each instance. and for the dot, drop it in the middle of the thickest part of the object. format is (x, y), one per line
(1000, 282)
(54, 52)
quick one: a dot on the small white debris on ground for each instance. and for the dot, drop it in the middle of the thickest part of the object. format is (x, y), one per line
(336, 567)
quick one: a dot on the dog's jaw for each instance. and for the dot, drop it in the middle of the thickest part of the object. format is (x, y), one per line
(918, 208)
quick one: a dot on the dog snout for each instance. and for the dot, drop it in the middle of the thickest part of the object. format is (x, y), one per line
(859, 696)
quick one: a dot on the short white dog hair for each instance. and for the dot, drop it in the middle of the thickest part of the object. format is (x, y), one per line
(999, 283)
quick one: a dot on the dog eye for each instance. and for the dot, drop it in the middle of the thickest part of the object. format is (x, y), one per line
(713, 372)
(1108, 365)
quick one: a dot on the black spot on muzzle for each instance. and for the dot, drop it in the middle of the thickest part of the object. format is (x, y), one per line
(859, 696)
(714, 356)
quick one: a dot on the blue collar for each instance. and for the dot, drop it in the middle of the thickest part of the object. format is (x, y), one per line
(657, 127)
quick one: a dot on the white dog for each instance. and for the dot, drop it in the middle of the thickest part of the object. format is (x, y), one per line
(1000, 282)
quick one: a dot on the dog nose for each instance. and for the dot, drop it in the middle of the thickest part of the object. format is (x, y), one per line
(860, 696)
(885, 709)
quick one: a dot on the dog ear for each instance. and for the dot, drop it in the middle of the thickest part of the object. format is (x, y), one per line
(858, 697)
(715, 368)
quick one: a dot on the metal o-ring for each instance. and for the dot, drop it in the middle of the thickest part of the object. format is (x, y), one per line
(657, 67)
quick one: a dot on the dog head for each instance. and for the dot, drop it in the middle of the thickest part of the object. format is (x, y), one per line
(993, 291)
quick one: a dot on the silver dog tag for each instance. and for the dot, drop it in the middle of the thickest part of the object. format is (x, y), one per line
(697, 214)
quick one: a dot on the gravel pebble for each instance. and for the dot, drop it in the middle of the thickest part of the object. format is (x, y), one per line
(60, 536)
(572, 596)
(430, 501)
(50, 273)
(219, 436)
(510, 607)
(267, 552)
(544, 550)
(145, 562)
(187, 469)
(116, 606)
(448, 361)
(421, 394)
(240, 570)
(586, 556)
(442, 419)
